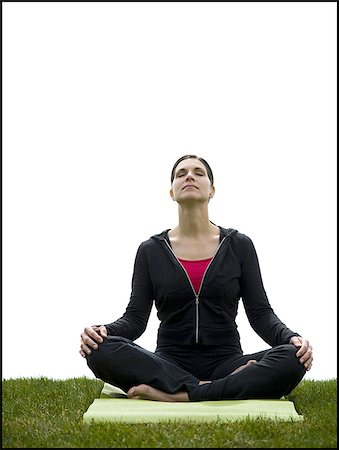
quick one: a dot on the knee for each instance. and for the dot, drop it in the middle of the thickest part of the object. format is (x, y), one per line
(290, 360)
(98, 357)
(289, 349)
(294, 369)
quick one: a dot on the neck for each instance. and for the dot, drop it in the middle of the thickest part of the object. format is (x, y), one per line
(194, 222)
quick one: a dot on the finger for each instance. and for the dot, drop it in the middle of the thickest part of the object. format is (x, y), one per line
(86, 349)
(306, 355)
(309, 367)
(87, 342)
(103, 331)
(88, 333)
(82, 353)
(308, 364)
(301, 352)
(92, 332)
(303, 349)
(306, 361)
(90, 343)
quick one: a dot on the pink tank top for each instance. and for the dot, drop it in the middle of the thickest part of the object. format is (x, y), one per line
(195, 270)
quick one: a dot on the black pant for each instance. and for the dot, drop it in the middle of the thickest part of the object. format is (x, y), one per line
(121, 362)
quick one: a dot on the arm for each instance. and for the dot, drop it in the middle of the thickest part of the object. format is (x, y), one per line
(260, 314)
(134, 321)
(258, 309)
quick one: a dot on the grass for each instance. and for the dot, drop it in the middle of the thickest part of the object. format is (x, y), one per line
(47, 413)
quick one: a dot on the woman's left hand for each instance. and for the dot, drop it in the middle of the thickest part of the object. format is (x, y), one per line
(304, 353)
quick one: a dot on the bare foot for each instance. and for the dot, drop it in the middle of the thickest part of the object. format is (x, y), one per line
(249, 363)
(146, 392)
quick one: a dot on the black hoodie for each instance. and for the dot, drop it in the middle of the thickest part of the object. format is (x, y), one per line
(206, 318)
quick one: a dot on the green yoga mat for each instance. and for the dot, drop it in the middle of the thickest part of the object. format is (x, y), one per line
(114, 406)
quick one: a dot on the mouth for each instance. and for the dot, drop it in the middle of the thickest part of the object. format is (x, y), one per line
(189, 186)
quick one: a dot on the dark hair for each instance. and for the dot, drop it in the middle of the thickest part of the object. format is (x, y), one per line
(205, 163)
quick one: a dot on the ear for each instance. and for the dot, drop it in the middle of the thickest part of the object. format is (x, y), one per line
(171, 194)
(212, 191)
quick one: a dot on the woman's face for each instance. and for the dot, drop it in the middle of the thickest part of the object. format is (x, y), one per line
(191, 182)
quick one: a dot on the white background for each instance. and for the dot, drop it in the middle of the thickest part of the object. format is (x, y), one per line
(100, 100)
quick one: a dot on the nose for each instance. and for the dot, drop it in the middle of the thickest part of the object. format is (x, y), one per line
(189, 177)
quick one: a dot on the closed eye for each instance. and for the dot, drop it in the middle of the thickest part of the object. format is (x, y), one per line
(181, 174)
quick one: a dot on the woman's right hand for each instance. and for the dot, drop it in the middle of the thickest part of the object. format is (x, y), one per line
(90, 338)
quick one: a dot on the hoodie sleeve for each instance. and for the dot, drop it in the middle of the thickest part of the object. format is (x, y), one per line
(258, 309)
(134, 321)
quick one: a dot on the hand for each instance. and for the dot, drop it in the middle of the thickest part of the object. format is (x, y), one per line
(304, 353)
(88, 338)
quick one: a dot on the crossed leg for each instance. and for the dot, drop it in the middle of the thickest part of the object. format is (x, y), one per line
(146, 392)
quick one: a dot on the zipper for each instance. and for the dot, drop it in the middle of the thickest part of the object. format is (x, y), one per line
(196, 295)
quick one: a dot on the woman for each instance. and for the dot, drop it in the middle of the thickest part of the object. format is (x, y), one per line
(196, 273)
